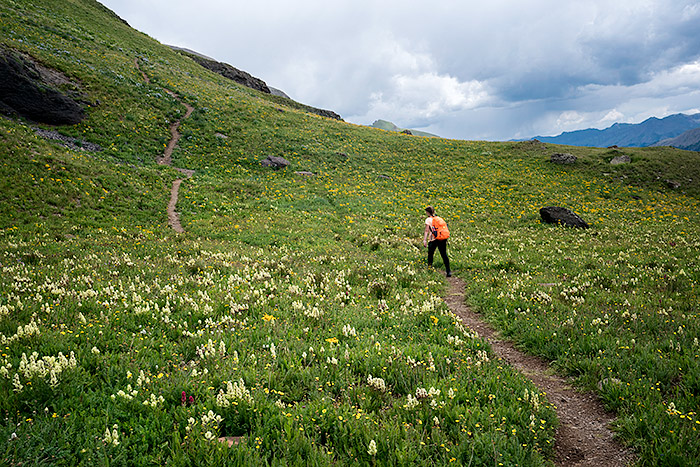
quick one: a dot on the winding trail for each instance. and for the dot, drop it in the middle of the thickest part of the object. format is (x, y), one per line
(166, 158)
(583, 438)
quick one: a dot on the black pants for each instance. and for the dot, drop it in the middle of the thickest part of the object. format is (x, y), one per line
(441, 245)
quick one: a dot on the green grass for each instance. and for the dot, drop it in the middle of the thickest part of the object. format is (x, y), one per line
(307, 286)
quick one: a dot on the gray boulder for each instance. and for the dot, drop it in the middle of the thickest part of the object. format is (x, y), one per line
(562, 216)
(562, 158)
(276, 162)
(621, 159)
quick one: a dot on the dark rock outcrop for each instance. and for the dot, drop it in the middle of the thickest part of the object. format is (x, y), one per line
(407, 132)
(232, 73)
(562, 216)
(325, 113)
(562, 158)
(25, 90)
(246, 79)
(276, 162)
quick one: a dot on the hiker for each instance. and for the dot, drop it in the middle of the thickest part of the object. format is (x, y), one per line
(435, 236)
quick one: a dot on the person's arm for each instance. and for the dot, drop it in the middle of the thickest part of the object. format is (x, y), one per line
(426, 235)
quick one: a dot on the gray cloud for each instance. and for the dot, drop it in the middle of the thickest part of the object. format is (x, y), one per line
(473, 70)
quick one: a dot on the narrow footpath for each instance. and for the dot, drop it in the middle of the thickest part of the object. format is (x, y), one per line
(166, 158)
(583, 438)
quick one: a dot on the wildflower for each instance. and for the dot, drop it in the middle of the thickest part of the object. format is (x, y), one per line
(372, 451)
(16, 383)
(268, 318)
(376, 383)
(111, 437)
(411, 403)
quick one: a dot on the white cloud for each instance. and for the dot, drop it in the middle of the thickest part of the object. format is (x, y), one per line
(611, 117)
(495, 69)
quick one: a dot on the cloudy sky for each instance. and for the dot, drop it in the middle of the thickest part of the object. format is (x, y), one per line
(491, 70)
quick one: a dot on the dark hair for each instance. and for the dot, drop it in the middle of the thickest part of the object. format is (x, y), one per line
(430, 210)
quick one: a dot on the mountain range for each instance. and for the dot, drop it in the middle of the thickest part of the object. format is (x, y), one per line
(668, 131)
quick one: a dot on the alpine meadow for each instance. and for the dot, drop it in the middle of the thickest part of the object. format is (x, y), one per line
(294, 321)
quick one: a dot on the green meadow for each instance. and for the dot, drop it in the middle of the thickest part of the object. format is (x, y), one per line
(296, 315)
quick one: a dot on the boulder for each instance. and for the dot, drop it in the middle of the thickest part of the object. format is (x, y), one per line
(672, 184)
(621, 159)
(562, 158)
(562, 216)
(24, 90)
(276, 162)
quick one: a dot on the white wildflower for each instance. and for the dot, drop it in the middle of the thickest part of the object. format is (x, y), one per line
(372, 451)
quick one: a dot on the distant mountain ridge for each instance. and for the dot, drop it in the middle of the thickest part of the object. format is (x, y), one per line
(690, 141)
(647, 133)
(389, 126)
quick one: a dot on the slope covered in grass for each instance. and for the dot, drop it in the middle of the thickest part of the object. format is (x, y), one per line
(297, 311)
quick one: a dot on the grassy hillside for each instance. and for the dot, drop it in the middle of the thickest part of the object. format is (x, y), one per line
(296, 311)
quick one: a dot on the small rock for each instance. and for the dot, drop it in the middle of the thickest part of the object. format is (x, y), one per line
(304, 173)
(221, 135)
(674, 185)
(276, 162)
(562, 158)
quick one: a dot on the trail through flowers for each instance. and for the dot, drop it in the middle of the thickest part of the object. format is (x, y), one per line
(583, 437)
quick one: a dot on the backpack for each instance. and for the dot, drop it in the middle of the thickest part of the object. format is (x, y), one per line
(439, 229)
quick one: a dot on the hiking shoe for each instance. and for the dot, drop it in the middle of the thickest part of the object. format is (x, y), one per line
(449, 274)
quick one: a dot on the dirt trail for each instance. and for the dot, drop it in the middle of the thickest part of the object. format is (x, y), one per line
(583, 438)
(166, 158)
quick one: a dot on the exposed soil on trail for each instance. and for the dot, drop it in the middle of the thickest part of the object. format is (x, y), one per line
(583, 438)
(166, 158)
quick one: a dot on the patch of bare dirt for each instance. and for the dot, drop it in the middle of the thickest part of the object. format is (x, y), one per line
(583, 438)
